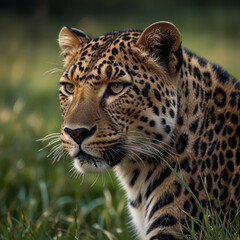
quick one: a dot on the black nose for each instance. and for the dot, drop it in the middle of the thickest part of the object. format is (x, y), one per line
(80, 134)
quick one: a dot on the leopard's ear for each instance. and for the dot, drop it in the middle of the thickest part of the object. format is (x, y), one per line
(162, 41)
(69, 41)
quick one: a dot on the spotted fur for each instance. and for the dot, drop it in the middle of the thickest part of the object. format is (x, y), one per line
(173, 105)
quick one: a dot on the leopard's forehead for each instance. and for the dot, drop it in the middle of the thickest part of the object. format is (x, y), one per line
(94, 57)
(106, 47)
(103, 42)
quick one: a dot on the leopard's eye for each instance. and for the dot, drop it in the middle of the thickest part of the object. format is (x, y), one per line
(69, 88)
(116, 88)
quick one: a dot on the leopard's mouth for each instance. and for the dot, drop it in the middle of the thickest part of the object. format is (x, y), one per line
(84, 162)
(82, 156)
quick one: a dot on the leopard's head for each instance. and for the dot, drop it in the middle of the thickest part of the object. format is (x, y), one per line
(118, 94)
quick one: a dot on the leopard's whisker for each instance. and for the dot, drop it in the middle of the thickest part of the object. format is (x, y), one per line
(95, 180)
(49, 136)
(54, 70)
(50, 143)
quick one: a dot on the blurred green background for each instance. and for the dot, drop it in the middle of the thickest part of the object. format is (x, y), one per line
(39, 200)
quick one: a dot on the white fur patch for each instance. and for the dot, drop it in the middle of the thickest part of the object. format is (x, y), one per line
(90, 166)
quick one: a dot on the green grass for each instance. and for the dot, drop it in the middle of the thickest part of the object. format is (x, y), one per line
(213, 227)
(39, 200)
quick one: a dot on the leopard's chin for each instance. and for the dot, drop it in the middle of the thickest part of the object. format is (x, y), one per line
(85, 163)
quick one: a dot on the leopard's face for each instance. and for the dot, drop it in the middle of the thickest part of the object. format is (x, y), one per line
(116, 101)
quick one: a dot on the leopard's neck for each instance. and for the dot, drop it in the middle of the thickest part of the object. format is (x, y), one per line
(133, 177)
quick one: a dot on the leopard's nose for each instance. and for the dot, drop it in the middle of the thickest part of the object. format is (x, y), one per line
(80, 134)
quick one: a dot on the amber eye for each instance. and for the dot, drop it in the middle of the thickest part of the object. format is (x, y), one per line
(116, 88)
(69, 88)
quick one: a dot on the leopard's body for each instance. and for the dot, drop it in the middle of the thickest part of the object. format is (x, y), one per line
(131, 99)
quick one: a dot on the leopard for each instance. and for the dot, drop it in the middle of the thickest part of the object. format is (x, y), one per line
(165, 120)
